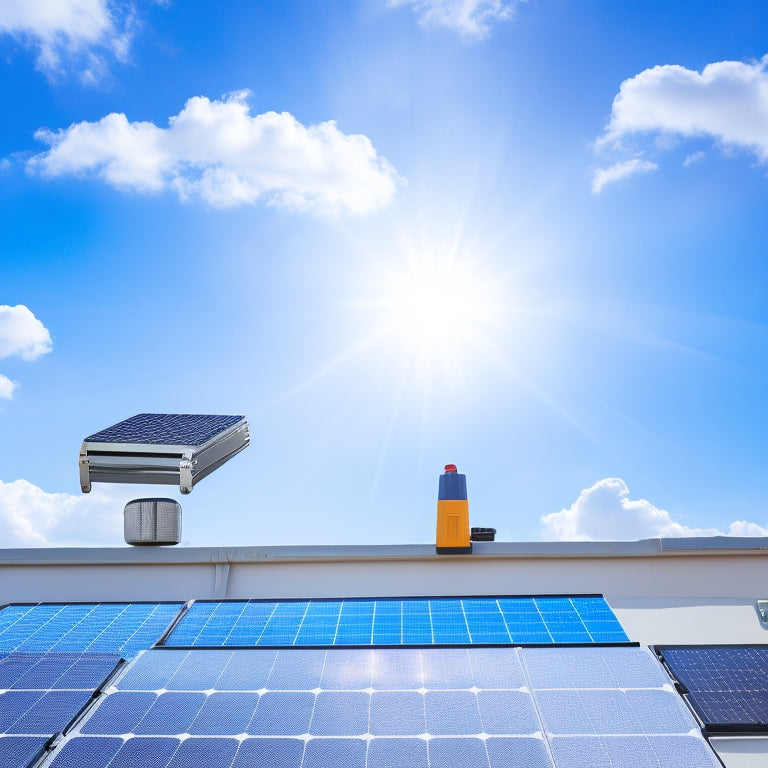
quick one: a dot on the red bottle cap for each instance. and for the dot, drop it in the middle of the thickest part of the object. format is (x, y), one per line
(451, 468)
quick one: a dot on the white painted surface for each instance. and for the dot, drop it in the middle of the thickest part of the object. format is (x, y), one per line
(742, 752)
(664, 621)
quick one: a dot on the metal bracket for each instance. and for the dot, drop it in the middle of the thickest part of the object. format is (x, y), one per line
(220, 581)
(84, 465)
(186, 467)
(762, 610)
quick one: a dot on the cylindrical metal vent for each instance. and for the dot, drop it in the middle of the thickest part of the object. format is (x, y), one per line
(152, 522)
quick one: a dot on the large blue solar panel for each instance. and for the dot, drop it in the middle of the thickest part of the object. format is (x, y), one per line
(391, 708)
(124, 628)
(727, 686)
(416, 621)
(165, 429)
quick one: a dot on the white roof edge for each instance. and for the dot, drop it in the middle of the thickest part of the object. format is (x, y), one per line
(702, 546)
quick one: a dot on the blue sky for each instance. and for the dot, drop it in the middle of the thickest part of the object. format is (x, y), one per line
(525, 238)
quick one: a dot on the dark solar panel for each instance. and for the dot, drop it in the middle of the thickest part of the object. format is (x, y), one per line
(389, 708)
(727, 686)
(124, 628)
(384, 622)
(165, 429)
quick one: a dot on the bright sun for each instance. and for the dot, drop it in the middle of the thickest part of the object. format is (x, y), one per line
(436, 310)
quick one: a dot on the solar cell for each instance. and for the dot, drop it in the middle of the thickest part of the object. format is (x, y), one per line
(726, 685)
(392, 708)
(124, 628)
(416, 621)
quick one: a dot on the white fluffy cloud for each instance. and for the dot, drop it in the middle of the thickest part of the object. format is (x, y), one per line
(472, 18)
(30, 517)
(22, 334)
(603, 176)
(6, 387)
(217, 151)
(726, 102)
(605, 511)
(62, 30)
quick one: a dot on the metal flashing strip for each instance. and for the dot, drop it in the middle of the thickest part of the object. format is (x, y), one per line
(744, 543)
(393, 622)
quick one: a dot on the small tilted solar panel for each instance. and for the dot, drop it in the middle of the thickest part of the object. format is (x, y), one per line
(161, 448)
(40, 695)
(727, 686)
(396, 622)
(120, 628)
(394, 707)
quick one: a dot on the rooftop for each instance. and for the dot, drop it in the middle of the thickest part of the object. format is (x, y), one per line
(326, 612)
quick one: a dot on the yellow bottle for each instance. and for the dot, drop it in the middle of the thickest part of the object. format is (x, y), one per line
(453, 514)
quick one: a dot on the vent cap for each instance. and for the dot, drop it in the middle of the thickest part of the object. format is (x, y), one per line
(152, 522)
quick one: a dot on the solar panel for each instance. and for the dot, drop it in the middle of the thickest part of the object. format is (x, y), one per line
(122, 628)
(40, 695)
(726, 685)
(612, 708)
(162, 448)
(395, 622)
(390, 708)
(185, 429)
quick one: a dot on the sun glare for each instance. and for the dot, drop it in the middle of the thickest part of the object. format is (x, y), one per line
(435, 311)
(433, 303)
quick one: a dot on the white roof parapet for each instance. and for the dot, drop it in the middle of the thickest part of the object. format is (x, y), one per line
(709, 546)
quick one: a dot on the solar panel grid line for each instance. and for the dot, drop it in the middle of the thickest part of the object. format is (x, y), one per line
(338, 624)
(234, 623)
(51, 615)
(373, 622)
(125, 613)
(11, 614)
(541, 616)
(266, 621)
(83, 620)
(209, 619)
(504, 619)
(581, 619)
(466, 622)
